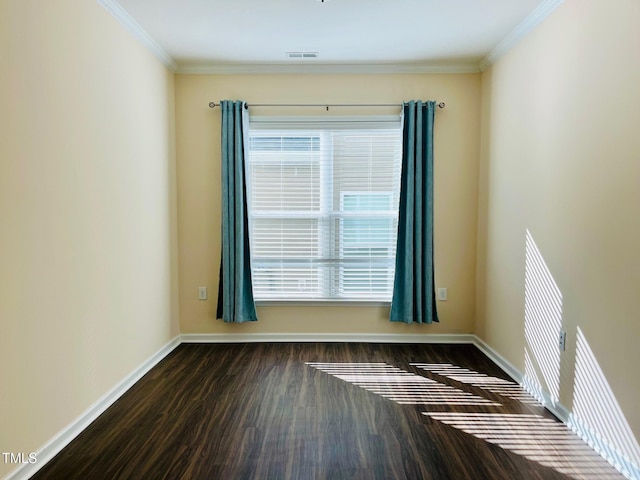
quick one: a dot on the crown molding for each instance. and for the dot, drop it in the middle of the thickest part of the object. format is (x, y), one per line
(316, 68)
(529, 23)
(526, 26)
(134, 28)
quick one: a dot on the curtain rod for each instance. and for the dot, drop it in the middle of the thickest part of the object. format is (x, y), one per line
(326, 105)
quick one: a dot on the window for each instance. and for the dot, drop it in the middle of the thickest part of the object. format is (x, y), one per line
(323, 208)
(366, 247)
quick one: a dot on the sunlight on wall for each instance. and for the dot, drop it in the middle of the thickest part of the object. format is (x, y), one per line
(531, 381)
(542, 324)
(537, 438)
(596, 415)
(500, 386)
(402, 387)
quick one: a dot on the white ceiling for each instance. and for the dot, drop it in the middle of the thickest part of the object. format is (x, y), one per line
(444, 33)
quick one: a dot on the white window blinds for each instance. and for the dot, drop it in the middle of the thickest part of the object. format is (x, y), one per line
(323, 202)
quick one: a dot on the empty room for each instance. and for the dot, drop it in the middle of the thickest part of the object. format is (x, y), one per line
(319, 239)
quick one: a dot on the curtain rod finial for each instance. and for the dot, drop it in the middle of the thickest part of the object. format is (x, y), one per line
(441, 105)
(212, 104)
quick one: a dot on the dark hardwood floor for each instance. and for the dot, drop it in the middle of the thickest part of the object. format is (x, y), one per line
(326, 411)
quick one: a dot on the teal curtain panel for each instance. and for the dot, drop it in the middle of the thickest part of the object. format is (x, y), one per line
(414, 286)
(235, 292)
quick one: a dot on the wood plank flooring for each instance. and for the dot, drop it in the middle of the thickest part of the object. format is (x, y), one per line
(326, 411)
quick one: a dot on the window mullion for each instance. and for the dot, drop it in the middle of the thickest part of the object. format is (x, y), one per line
(326, 226)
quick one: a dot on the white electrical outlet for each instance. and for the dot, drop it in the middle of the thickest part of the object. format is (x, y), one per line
(202, 293)
(562, 340)
(442, 294)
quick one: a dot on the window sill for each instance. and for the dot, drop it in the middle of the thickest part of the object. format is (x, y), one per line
(321, 303)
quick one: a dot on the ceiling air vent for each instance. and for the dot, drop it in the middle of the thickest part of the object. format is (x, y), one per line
(302, 54)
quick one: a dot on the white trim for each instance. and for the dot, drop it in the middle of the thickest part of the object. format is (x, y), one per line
(208, 68)
(561, 412)
(50, 449)
(137, 31)
(604, 449)
(527, 25)
(601, 446)
(65, 436)
(498, 359)
(315, 68)
(321, 303)
(324, 337)
(554, 407)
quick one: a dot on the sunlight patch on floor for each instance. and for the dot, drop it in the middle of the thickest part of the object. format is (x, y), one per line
(400, 386)
(502, 387)
(537, 438)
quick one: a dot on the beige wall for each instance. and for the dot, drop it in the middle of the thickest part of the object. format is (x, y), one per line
(561, 159)
(86, 213)
(198, 153)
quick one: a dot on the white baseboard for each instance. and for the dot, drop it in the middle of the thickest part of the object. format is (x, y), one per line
(324, 337)
(556, 408)
(71, 431)
(604, 448)
(65, 436)
(498, 359)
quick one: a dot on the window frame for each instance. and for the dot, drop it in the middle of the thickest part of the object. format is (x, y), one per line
(315, 127)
